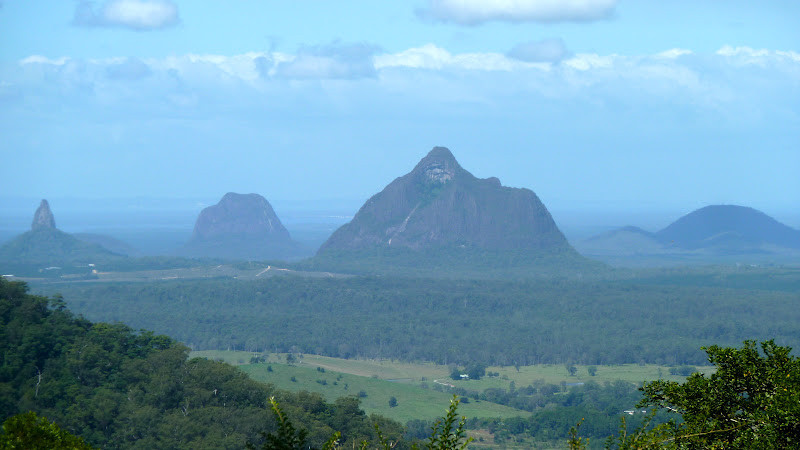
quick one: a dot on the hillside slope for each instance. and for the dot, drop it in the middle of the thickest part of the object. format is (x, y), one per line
(440, 215)
(729, 227)
(240, 226)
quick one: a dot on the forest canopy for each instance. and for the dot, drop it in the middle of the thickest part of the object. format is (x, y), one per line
(663, 318)
(113, 386)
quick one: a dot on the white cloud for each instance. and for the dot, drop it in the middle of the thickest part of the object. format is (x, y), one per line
(199, 80)
(748, 55)
(588, 61)
(333, 61)
(473, 12)
(129, 69)
(139, 15)
(548, 50)
(431, 57)
(673, 53)
(38, 59)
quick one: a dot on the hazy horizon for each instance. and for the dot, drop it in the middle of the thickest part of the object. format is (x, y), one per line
(601, 106)
(125, 217)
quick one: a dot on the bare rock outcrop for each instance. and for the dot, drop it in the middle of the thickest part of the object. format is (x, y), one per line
(439, 204)
(43, 218)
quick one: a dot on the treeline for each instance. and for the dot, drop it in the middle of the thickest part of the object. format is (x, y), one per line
(54, 268)
(555, 409)
(117, 388)
(558, 408)
(452, 321)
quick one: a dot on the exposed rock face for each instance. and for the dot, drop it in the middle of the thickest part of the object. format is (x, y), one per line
(240, 226)
(43, 218)
(246, 215)
(46, 244)
(439, 204)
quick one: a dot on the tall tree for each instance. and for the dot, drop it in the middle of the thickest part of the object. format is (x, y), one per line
(751, 401)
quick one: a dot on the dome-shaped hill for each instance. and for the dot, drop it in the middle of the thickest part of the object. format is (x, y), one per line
(240, 226)
(729, 226)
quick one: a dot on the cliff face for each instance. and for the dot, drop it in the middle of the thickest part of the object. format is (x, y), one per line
(43, 218)
(244, 215)
(240, 226)
(46, 244)
(439, 204)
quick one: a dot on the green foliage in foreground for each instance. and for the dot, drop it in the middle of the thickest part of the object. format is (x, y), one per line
(31, 432)
(751, 401)
(118, 388)
(445, 434)
(289, 438)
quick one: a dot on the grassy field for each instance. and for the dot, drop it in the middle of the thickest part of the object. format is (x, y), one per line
(413, 402)
(395, 370)
(420, 388)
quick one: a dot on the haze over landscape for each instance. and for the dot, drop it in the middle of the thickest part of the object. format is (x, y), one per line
(544, 214)
(596, 106)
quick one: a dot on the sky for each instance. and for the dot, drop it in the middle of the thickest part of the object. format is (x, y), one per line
(592, 104)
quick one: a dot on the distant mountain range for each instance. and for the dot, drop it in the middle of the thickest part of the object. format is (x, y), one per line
(240, 226)
(441, 215)
(716, 230)
(728, 227)
(109, 243)
(436, 218)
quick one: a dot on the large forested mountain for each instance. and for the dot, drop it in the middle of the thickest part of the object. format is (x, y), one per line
(711, 233)
(728, 227)
(118, 388)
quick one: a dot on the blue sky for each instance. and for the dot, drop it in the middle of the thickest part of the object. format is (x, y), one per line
(593, 104)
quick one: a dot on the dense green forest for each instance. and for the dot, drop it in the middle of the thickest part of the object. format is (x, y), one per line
(456, 262)
(117, 388)
(555, 410)
(661, 317)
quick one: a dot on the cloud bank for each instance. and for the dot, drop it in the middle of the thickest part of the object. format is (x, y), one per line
(549, 50)
(737, 85)
(138, 15)
(636, 122)
(475, 12)
(334, 61)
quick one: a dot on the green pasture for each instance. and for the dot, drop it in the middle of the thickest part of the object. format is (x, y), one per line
(420, 388)
(525, 375)
(413, 401)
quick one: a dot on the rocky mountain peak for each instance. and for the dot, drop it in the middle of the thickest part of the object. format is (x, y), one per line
(441, 205)
(43, 218)
(438, 167)
(240, 226)
(239, 214)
